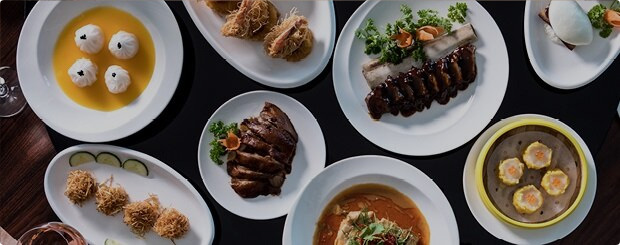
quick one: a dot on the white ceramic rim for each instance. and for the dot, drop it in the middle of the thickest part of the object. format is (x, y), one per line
(265, 80)
(27, 57)
(434, 194)
(451, 137)
(497, 227)
(140, 155)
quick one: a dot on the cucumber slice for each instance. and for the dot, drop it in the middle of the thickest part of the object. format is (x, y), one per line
(80, 158)
(136, 166)
(109, 241)
(109, 159)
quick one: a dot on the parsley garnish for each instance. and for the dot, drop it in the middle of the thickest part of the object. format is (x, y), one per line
(219, 131)
(458, 12)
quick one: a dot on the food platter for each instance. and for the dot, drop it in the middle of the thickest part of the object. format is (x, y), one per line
(57, 110)
(558, 66)
(249, 58)
(172, 189)
(371, 169)
(442, 127)
(307, 162)
(512, 233)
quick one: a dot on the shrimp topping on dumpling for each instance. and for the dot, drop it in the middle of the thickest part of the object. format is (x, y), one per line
(537, 156)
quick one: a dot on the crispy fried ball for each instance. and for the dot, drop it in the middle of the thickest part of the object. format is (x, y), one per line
(291, 39)
(81, 185)
(253, 20)
(171, 224)
(223, 7)
(141, 216)
(110, 200)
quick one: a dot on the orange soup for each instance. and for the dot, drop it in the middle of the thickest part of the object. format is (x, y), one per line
(140, 67)
(384, 201)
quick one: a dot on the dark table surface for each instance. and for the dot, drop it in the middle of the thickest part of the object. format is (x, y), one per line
(208, 81)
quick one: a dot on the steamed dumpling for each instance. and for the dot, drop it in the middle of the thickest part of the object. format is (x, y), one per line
(89, 39)
(117, 79)
(83, 72)
(537, 155)
(510, 171)
(555, 182)
(527, 199)
(123, 45)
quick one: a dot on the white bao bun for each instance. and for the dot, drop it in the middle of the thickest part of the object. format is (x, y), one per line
(570, 22)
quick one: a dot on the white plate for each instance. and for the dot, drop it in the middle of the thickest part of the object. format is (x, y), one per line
(172, 189)
(442, 127)
(301, 221)
(249, 57)
(48, 101)
(309, 159)
(515, 234)
(557, 65)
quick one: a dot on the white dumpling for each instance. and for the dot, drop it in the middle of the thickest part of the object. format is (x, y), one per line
(83, 72)
(117, 79)
(89, 39)
(123, 45)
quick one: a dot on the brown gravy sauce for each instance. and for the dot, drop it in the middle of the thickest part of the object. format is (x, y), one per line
(384, 201)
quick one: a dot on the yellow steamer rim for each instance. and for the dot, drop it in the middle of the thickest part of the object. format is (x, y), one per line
(485, 151)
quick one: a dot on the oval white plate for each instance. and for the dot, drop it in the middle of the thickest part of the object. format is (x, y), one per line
(442, 127)
(172, 189)
(249, 57)
(301, 221)
(48, 101)
(309, 159)
(557, 65)
(515, 234)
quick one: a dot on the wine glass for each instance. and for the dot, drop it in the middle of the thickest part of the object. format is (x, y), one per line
(12, 99)
(52, 233)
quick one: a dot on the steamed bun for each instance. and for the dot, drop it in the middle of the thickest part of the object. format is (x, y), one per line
(117, 79)
(123, 45)
(83, 72)
(89, 39)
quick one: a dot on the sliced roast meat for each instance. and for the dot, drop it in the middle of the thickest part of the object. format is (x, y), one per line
(278, 118)
(253, 188)
(256, 162)
(237, 171)
(279, 138)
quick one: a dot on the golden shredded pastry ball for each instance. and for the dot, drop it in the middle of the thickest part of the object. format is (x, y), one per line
(141, 216)
(110, 200)
(81, 185)
(171, 224)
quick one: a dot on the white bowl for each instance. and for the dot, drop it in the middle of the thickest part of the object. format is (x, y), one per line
(302, 220)
(57, 110)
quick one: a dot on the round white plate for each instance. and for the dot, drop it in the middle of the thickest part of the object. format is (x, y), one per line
(309, 159)
(515, 234)
(442, 127)
(249, 57)
(301, 221)
(171, 188)
(557, 65)
(49, 102)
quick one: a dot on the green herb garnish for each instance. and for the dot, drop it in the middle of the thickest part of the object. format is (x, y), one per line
(370, 230)
(383, 43)
(458, 12)
(220, 131)
(596, 15)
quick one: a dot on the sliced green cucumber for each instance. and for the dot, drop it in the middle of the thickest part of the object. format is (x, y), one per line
(109, 241)
(109, 159)
(80, 158)
(136, 166)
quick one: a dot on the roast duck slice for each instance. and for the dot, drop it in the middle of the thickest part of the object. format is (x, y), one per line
(268, 145)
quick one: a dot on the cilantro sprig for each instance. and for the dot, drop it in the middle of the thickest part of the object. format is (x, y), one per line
(382, 43)
(219, 131)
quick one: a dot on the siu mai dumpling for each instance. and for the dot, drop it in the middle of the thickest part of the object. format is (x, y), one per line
(89, 39)
(537, 156)
(527, 199)
(555, 182)
(510, 171)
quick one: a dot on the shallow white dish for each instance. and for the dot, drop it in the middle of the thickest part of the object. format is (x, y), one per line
(249, 57)
(442, 127)
(557, 65)
(301, 221)
(515, 234)
(172, 189)
(57, 110)
(309, 159)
